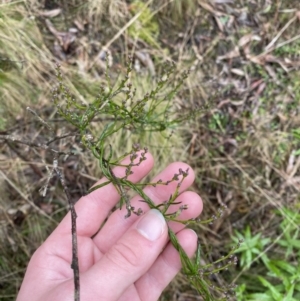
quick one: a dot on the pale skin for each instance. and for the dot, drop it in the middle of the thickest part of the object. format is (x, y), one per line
(119, 262)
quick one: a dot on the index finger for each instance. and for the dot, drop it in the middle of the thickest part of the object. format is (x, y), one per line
(93, 208)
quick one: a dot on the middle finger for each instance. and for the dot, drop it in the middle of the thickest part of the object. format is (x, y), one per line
(117, 225)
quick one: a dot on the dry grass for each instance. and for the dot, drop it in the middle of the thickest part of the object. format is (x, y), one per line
(245, 62)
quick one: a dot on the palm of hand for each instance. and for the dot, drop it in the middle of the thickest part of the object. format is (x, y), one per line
(116, 263)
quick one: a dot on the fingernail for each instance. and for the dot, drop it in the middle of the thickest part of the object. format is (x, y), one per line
(152, 225)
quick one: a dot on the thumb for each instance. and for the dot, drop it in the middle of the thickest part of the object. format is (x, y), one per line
(130, 258)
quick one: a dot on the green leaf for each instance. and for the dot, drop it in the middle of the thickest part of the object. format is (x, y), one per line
(285, 266)
(258, 296)
(289, 296)
(198, 256)
(272, 267)
(274, 292)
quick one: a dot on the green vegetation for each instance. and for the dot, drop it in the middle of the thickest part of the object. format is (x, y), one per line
(281, 280)
(252, 247)
(145, 28)
(244, 146)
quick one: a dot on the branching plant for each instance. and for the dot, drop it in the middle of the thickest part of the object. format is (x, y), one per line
(154, 112)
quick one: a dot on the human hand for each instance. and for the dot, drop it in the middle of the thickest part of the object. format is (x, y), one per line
(128, 259)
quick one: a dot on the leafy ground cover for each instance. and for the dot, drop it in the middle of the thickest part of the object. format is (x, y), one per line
(244, 61)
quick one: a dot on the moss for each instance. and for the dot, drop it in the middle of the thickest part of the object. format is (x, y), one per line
(145, 28)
